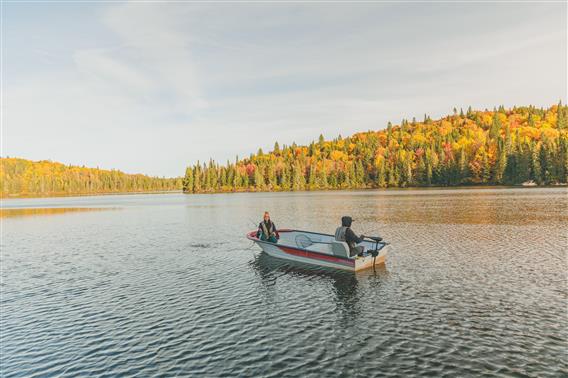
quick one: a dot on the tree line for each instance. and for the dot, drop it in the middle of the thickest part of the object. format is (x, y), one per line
(497, 147)
(20, 177)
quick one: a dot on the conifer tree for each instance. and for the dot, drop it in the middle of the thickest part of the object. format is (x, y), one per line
(322, 177)
(535, 164)
(381, 174)
(312, 176)
(486, 147)
(298, 179)
(501, 162)
(188, 180)
(562, 117)
(495, 126)
(258, 178)
(285, 179)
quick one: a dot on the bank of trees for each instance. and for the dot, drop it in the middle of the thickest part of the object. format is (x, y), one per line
(498, 147)
(20, 177)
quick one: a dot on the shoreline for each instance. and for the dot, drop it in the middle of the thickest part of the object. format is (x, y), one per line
(63, 195)
(31, 196)
(469, 186)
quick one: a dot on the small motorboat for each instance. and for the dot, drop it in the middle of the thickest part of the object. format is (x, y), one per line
(323, 250)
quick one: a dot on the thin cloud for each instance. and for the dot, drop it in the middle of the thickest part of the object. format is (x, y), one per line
(154, 87)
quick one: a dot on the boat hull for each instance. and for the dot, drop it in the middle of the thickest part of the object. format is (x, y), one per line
(305, 256)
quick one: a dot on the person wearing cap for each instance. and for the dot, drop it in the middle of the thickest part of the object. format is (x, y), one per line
(344, 233)
(267, 230)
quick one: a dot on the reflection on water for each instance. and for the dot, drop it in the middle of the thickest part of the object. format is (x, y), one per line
(344, 284)
(474, 209)
(475, 285)
(23, 212)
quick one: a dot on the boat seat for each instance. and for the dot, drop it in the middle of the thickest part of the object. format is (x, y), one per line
(339, 248)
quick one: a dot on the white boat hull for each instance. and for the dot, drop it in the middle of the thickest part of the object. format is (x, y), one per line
(314, 257)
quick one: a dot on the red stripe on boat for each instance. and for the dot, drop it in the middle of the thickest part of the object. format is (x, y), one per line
(317, 256)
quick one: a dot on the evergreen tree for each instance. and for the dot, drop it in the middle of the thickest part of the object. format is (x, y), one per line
(535, 167)
(392, 179)
(230, 175)
(333, 180)
(258, 178)
(486, 170)
(322, 178)
(495, 126)
(223, 178)
(563, 159)
(350, 179)
(188, 180)
(285, 179)
(381, 174)
(312, 176)
(454, 150)
(463, 168)
(562, 117)
(508, 143)
(298, 179)
(272, 178)
(523, 162)
(197, 179)
(359, 175)
(501, 163)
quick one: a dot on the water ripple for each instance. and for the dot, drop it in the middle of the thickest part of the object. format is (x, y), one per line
(476, 286)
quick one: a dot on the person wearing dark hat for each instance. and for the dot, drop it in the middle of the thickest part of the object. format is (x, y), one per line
(346, 234)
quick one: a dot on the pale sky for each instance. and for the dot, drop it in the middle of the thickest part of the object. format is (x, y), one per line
(152, 87)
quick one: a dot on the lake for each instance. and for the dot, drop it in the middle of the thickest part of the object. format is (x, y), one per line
(167, 284)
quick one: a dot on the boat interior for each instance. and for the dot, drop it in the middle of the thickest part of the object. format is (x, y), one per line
(316, 242)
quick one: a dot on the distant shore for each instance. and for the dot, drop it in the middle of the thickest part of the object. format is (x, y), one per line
(468, 186)
(56, 195)
(88, 194)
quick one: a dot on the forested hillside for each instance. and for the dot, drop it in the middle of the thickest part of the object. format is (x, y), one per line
(20, 177)
(498, 147)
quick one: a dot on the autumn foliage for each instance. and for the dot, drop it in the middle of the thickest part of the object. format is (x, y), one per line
(20, 177)
(498, 147)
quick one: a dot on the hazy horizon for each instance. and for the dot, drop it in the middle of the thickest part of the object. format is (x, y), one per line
(152, 88)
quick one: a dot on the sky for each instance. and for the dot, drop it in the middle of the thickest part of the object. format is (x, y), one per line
(153, 87)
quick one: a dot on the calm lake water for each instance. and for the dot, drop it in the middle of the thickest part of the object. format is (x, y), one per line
(167, 285)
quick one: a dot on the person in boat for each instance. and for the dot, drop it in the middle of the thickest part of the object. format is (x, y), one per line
(344, 233)
(267, 230)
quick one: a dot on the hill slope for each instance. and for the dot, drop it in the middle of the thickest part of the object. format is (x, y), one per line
(20, 177)
(499, 147)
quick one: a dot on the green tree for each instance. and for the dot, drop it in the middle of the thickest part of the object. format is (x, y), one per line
(381, 174)
(298, 179)
(495, 126)
(188, 180)
(322, 178)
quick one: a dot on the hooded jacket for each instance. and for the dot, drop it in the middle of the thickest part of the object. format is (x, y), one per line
(346, 234)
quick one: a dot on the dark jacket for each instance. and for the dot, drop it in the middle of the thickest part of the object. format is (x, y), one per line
(351, 238)
(345, 233)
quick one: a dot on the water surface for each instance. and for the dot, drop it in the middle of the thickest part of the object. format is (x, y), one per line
(167, 285)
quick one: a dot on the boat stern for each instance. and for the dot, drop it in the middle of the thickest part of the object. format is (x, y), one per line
(369, 261)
